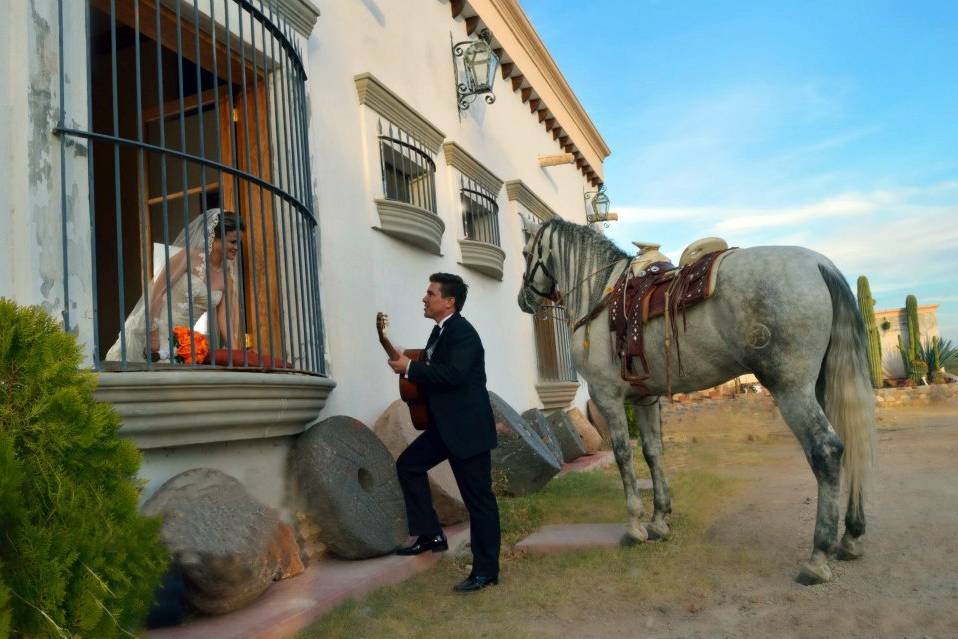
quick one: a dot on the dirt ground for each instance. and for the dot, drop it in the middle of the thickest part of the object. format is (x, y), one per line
(744, 502)
(906, 585)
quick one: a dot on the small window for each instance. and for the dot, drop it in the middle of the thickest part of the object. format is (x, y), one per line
(554, 345)
(480, 213)
(408, 168)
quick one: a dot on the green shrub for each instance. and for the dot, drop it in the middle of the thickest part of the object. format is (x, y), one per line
(76, 557)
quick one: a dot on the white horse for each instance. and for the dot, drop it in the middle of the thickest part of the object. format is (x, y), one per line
(785, 314)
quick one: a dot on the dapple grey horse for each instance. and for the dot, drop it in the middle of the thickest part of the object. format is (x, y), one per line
(785, 314)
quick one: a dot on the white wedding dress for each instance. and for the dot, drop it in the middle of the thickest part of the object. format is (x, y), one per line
(137, 339)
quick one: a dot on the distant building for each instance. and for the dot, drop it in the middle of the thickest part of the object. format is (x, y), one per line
(893, 323)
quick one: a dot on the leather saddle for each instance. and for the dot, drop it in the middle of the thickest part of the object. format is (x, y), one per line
(653, 286)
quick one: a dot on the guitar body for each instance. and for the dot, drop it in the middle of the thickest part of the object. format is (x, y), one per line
(408, 391)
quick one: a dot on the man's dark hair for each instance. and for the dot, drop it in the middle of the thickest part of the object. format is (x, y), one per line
(451, 286)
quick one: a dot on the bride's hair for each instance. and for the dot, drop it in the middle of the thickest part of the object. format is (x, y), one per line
(227, 223)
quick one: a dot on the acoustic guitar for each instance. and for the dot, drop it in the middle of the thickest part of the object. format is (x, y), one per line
(408, 391)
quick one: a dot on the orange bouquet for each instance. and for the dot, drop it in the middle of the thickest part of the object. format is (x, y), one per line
(189, 341)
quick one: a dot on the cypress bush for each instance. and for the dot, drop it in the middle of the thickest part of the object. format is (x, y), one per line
(77, 559)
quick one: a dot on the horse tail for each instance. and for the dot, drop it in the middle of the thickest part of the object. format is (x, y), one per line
(849, 400)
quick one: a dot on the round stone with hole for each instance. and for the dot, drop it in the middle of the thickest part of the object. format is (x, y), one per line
(345, 482)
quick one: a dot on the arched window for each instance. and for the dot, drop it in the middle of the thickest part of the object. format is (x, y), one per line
(198, 126)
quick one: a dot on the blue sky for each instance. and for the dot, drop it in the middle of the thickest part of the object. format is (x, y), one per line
(831, 125)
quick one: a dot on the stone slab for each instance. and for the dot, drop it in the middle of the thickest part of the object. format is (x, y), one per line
(566, 537)
(293, 604)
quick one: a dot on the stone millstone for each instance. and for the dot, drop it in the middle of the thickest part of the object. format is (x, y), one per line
(569, 439)
(521, 459)
(598, 420)
(540, 424)
(228, 546)
(346, 482)
(394, 428)
(590, 436)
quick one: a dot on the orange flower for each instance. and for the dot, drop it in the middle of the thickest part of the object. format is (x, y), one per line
(184, 350)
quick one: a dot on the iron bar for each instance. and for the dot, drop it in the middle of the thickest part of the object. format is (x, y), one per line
(140, 175)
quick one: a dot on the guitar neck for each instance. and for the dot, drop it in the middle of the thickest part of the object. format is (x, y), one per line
(389, 348)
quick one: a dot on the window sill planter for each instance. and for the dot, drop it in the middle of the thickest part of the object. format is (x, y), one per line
(411, 224)
(556, 395)
(483, 257)
(178, 408)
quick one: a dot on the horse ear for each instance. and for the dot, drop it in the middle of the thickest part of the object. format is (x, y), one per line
(531, 227)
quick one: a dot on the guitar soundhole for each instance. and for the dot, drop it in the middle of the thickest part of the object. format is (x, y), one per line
(366, 480)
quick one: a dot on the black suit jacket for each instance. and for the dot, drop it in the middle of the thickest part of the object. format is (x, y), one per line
(454, 383)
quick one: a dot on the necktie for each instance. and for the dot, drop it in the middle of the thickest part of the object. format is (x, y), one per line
(430, 343)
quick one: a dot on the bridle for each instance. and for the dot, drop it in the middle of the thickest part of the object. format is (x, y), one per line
(528, 278)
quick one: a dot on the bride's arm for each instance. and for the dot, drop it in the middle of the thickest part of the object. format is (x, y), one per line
(177, 269)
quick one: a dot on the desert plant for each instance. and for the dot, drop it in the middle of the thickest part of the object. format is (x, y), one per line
(76, 557)
(866, 306)
(914, 331)
(939, 354)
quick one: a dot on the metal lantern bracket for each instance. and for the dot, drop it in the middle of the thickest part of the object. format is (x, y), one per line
(475, 65)
(600, 206)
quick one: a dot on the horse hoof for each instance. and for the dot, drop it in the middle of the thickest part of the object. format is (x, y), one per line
(813, 573)
(850, 548)
(634, 536)
(658, 530)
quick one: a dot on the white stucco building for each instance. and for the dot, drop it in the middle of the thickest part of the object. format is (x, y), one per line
(338, 139)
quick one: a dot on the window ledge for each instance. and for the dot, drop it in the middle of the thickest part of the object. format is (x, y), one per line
(180, 408)
(556, 395)
(411, 224)
(483, 257)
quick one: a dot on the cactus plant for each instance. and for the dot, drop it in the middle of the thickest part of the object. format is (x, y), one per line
(911, 314)
(866, 306)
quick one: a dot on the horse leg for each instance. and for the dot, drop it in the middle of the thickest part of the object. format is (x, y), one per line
(613, 409)
(648, 418)
(823, 450)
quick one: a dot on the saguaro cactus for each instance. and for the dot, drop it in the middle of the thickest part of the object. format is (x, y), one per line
(866, 306)
(915, 365)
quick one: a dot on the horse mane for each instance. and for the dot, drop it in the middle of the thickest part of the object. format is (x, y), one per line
(580, 252)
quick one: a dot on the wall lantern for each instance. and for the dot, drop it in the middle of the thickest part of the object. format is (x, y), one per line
(600, 207)
(475, 64)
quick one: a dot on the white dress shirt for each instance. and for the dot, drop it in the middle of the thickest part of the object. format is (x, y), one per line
(440, 322)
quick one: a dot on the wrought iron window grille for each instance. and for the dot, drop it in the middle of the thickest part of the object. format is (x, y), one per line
(408, 168)
(554, 344)
(191, 111)
(480, 212)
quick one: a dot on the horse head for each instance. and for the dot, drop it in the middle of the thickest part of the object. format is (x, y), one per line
(538, 281)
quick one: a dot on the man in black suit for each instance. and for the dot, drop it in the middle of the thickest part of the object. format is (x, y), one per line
(463, 430)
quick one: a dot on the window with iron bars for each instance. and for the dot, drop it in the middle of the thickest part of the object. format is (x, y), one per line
(408, 168)
(197, 114)
(480, 213)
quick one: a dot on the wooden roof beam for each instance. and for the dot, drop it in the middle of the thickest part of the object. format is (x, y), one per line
(526, 92)
(534, 105)
(456, 6)
(472, 23)
(507, 68)
(550, 124)
(517, 82)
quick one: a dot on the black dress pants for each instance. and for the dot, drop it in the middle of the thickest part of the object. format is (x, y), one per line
(474, 477)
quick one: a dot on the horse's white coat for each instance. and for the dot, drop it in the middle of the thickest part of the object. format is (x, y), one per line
(783, 313)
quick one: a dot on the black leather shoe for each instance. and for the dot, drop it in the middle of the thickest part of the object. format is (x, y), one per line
(435, 543)
(472, 583)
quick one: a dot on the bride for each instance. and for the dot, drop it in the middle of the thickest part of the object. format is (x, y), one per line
(210, 272)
